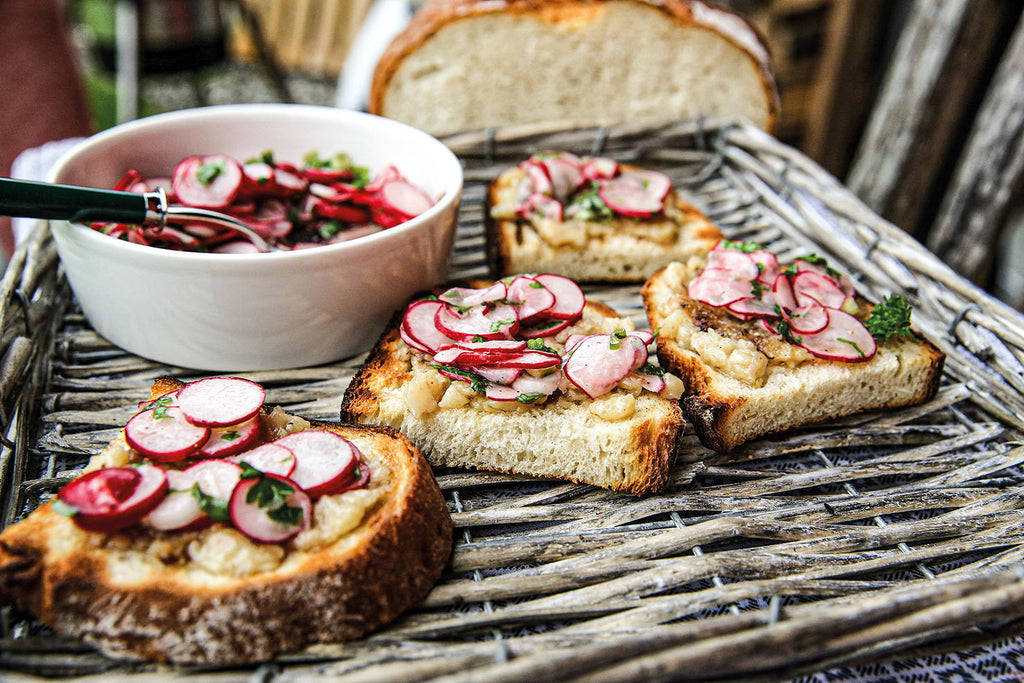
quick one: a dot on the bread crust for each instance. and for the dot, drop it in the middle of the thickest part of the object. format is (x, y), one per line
(71, 580)
(725, 414)
(436, 15)
(509, 252)
(646, 446)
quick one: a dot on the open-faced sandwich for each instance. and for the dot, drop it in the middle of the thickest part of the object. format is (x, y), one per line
(216, 531)
(590, 219)
(524, 375)
(763, 347)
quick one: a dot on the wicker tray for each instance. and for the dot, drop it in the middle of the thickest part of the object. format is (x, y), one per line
(877, 537)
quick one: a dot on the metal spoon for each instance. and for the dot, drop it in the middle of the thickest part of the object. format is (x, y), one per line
(31, 199)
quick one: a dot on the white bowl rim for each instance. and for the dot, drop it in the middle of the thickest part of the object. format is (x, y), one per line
(226, 110)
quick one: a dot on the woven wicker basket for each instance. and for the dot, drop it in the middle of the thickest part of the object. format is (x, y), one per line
(874, 538)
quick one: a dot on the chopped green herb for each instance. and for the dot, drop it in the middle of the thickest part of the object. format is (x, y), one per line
(360, 176)
(587, 205)
(890, 318)
(430, 297)
(286, 514)
(539, 345)
(529, 398)
(747, 247)
(476, 382)
(477, 338)
(536, 285)
(269, 492)
(159, 407)
(757, 289)
(615, 339)
(62, 508)
(853, 344)
(498, 324)
(209, 171)
(652, 369)
(329, 229)
(783, 329)
(512, 302)
(249, 472)
(216, 508)
(231, 436)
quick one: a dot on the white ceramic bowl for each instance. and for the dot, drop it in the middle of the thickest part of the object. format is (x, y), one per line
(237, 312)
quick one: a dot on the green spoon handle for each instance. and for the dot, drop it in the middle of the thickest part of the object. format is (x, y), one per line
(30, 199)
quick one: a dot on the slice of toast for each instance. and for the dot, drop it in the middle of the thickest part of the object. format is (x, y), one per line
(214, 597)
(744, 381)
(623, 440)
(589, 246)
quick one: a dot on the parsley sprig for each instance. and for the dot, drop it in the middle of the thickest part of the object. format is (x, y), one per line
(889, 318)
(271, 494)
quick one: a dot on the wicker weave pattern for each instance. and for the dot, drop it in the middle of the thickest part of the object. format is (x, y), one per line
(870, 538)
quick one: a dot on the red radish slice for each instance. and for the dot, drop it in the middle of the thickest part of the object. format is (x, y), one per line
(844, 339)
(813, 288)
(221, 401)
(565, 176)
(645, 336)
(287, 182)
(629, 199)
(216, 478)
(383, 177)
(340, 212)
(496, 375)
(753, 307)
(736, 262)
(361, 477)
(469, 296)
(404, 334)
(768, 264)
(484, 321)
(507, 345)
(546, 328)
(715, 291)
(652, 383)
(654, 183)
(573, 340)
(128, 180)
(500, 392)
(528, 384)
(419, 325)
(164, 435)
(569, 298)
(210, 182)
(809, 319)
(326, 175)
(538, 176)
(596, 368)
(112, 498)
(258, 176)
(769, 325)
(272, 458)
(600, 168)
(782, 290)
(168, 399)
(405, 198)
(323, 460)
(542, 205)
(843, 280)
(255, 521)
(526, 360)
(535, 297)
(225, 441)
(179, 510)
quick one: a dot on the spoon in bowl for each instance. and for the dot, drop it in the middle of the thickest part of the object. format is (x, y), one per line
(149, 210)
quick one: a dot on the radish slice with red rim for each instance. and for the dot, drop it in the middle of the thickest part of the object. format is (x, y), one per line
(545, 328)
(737, 263)
(652, 383)
(809, 319)
(112, 498)
(600, 168)
(495, 375)
(420, 326)
(269, 508)
(216, 478)
(629, 199)
(180, 509)
(323, 460)
(532, 298)
(810, 287)
(654, 183)
(225, 441)
(569, 298)
(768, 264)
(716, 291)
(538, 175)
(483, 321)
(507, 345)
(596, 367)
(844, 339)
(782, 290)
(405, 198)
(221, 401)
(209, 182)
(542, 205)
(272, 458)
(754, 307)
(500, 392)
(164, 434)
(360, 479)
(528, 384)
(565, 177)
(464, 297)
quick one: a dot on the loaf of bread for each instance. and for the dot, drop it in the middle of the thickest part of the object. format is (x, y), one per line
(624, 438)
(568, 227)
(472, 64)
(213, 596)
(746, 378)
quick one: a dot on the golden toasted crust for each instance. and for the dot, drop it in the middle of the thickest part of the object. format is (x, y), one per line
(631, 256)
(468, 437)
(440, 13)
(73, 581)
(725, 413)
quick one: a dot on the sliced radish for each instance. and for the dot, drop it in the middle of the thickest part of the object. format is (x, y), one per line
(526, 360)
(654, 183)
(546, 328)
(495, 375)
(545, 206)
(600, 168)
(569, 298)
(500, 392)
(528, 384)
(258, 175)
(284, 512)
(216, 478)
(507, 345)
(532, 298)
(811, 287)
(754, 307)
(340, 212)
(483, 321)
(768, 264)
(737, 263)
(272, 458)
(629, 199)
(538, 175)
(645, 336)
(420, 326)
(844, 282)
(809, 319)
(718, 291)
(405, 198)
(596, 367)
(652, 383)
(360, 478)
(287, 181)
(573, 340)
(164, 434)
(180, 509)
(383, 177)
(465, 297)
(323, 460)
(782, 290)
(565, 176)
(844, 339)
(210, 182)
(112, 498)
(225, 441)
(221, 401)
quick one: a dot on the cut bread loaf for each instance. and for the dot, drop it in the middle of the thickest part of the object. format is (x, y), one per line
(623, 440)
(611, 247)
(744, 381)
(213, 596)
(472, 64)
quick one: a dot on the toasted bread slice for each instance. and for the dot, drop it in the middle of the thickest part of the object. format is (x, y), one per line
(615, 249)
(213, 597)
(624, 440)
(743, 382)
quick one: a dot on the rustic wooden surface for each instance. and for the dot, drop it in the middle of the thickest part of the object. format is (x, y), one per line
(839, 544)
